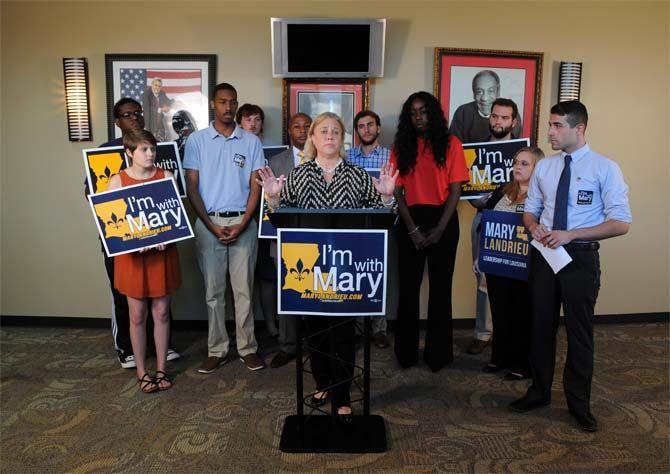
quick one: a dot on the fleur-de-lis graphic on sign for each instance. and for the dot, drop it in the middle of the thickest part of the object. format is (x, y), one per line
(112, 215)
(106, 176)
(115, 221)
(300, 272)
(103, 167)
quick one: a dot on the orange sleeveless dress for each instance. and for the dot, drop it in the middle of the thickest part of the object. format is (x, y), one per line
(148, 274)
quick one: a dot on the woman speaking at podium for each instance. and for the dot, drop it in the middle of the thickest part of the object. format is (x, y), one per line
(325, 180)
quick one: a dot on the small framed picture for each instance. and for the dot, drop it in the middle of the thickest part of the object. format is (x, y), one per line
(467, 81)
(344, 97)
(173, 90)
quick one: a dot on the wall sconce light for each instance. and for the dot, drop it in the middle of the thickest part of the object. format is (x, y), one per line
(75, 71)
(569, 81)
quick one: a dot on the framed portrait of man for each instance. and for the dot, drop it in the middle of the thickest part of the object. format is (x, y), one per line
(173, 90)
(468, 81)
(344, 97)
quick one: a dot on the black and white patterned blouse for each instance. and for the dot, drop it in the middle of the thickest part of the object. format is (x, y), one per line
(350, 188)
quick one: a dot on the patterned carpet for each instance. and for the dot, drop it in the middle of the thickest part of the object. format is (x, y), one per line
(68, 407)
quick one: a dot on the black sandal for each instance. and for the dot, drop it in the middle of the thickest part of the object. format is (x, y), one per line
(315, 401)
(163, 378)
(147, 384)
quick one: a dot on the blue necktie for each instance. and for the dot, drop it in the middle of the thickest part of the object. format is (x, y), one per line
(561, 205)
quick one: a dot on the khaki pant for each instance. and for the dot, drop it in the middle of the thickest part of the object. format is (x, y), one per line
(239, 259)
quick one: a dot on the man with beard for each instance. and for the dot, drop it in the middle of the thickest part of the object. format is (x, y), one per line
(282, 164)
(371, 155)
(503, 119)
(471, 121)
(221, 164)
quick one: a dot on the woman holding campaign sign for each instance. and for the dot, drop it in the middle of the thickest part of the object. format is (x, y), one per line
(432, 169)
(148, 273)
(510, 298)
(327, 181)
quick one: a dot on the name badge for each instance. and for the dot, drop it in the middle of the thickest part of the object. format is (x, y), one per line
(239, 160)
(584, 198)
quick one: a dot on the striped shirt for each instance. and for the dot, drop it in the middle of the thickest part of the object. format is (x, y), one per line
(350, 188)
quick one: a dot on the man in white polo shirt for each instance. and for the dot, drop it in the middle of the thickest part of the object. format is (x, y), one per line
(221, 164)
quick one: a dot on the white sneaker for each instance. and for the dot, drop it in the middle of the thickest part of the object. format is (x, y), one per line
(128, 362)
(173, 355)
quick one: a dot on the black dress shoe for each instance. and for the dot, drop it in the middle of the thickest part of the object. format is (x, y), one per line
(528, 403)
(280, 359)
(586, 422)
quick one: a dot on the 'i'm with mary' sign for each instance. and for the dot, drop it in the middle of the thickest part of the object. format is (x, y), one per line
(332, 272)
(139, 216)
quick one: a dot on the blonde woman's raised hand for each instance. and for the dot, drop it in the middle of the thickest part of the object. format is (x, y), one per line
(271, 185)
(388, 176)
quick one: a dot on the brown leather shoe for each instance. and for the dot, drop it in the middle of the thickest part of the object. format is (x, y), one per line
(211, 364)
(253, 362)
(381, 340)
(477, 346)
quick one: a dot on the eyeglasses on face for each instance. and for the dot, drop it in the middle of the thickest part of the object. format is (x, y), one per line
(127, 115)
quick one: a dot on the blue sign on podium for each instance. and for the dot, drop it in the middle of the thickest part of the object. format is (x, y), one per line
(332, 272)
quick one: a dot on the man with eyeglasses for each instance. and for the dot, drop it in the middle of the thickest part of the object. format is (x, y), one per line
(127, 116)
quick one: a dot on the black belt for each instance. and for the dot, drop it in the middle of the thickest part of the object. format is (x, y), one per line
(581, 246)
(226, 214)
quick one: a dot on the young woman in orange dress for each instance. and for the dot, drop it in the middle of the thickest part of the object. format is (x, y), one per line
(149, 276)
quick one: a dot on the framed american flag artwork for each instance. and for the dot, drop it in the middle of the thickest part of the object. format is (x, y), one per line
(173, 90)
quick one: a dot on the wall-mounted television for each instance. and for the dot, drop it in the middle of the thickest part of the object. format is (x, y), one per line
(327, 47)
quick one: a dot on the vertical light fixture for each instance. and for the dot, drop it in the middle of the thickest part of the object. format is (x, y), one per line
(75, 71)
(569, 81)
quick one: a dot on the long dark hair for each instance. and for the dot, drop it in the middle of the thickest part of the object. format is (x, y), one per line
(437, 136)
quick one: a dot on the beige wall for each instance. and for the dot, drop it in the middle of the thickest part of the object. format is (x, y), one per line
(51, 262)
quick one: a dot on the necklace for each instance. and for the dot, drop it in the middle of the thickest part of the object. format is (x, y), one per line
(325, 170)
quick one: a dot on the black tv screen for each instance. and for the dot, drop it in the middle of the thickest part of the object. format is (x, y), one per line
(328, 48)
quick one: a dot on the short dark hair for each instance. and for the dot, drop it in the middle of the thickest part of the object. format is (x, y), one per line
(133, 138)
(224, 86)
(126, 100)
(574, 112)
(366, 113)
(299, 114)
(506, 103)
(247, 110)
(485, 72)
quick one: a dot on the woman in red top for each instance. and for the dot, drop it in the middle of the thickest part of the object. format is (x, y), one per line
(432, 169)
